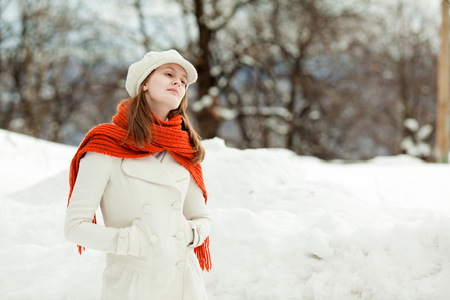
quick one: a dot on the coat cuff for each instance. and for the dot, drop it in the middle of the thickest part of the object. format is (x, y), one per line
(200, 234)
(128, 242)
(122, 241)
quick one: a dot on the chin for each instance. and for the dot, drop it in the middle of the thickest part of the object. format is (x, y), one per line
(174, 106)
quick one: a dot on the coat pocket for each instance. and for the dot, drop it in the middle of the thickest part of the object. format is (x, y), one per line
(139, 247)
(188, 232)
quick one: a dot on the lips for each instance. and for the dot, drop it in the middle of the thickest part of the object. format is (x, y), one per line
(173, 90)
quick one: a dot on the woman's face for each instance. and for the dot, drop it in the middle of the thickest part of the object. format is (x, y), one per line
(165, 88)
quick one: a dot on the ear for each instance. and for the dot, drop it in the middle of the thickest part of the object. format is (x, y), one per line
(145, 87)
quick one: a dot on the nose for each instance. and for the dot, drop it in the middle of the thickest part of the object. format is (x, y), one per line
(177, 82)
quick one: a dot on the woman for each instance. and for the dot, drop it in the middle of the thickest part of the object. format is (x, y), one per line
(144, 171)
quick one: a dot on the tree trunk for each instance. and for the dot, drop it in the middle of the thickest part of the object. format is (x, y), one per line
(208, 122)
(442, 125)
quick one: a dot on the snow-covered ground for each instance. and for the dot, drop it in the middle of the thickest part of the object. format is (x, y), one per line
(284, 226)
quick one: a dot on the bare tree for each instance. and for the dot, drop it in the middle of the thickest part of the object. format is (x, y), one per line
(314, 83)
(313, 76)
(49, 68)
(402, 59)
(211, 20)
(281, 102)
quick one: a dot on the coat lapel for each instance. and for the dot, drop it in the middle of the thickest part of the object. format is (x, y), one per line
(174, 168)
(166, 172)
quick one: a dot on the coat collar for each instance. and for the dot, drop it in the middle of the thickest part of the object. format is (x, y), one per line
(166, 172)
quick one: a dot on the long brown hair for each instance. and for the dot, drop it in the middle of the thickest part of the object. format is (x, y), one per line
(140, 116)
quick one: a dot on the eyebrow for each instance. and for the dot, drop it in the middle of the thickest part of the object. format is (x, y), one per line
(182, 74)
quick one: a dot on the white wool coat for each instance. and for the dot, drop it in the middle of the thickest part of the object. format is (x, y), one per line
(154, 215)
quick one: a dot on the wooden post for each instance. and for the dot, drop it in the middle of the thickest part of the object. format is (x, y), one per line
(443, 90)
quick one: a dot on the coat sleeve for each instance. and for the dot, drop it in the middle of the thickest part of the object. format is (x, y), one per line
(196, 213)
(93, 177)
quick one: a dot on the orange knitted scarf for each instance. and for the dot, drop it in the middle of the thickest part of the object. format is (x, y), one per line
(167, 135)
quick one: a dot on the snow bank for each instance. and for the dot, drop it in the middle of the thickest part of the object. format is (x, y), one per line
(284, 226)
(25, 160)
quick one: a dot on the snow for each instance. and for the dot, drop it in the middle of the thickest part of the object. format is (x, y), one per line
(417, 146)
(205, 102)
(284, 226)
(412, 124)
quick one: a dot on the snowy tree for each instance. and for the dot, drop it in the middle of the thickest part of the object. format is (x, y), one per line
(309, 75)
(320, 77)
(402, 57)
(53, 67)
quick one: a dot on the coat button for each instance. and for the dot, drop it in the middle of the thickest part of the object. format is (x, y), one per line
(176, 205)
(153, 239)
(180, 236)
(180, 264)
(123, 233)
(146, 208)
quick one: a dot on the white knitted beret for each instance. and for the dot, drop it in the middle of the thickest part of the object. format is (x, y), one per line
(138, 71)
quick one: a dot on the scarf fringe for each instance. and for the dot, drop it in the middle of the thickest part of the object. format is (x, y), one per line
(203, 255)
